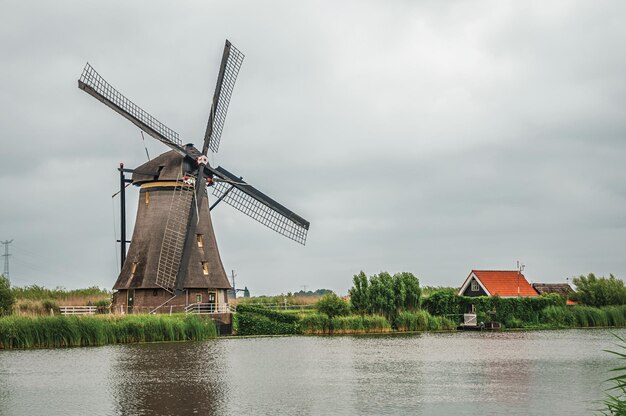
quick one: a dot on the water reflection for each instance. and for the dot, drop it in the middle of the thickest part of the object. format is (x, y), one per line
(524, 373)
(168, 379)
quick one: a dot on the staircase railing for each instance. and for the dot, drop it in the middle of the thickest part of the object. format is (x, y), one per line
(207, 308)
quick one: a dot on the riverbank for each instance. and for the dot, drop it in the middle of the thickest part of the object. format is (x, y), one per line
(77, 331)
(254, 320)
(23, 332)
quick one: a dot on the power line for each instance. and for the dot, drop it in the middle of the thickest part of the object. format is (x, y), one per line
(6, 256)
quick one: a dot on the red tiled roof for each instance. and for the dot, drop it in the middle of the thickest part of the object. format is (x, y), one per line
(504, 282)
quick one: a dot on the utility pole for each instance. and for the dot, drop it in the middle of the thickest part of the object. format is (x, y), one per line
(234, 287)
(520, 269)
(122, 192)
(6, 257)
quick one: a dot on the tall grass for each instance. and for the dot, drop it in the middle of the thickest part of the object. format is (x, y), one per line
(360, 324)
(584, 316)
(615, 400)
(421, 320)
(75, 331)
(320, 323)
(36, 292)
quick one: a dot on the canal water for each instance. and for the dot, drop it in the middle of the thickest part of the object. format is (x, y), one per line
(512, 373)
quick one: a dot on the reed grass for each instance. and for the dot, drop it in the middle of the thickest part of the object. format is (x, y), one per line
(320, 324)
(75, 331)
(421, 320)
(413, 321)
(359, 324)
(584, 316)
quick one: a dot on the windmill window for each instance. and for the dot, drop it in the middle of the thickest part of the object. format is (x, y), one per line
(199, 237)
(134, 268)
(475, 286)
(147, 197)
(155, 292)
(205, 268)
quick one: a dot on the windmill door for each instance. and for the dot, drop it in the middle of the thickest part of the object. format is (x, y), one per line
(130, 301)
(212, 301)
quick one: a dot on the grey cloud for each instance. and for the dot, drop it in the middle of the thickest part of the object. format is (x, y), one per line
(429, 137)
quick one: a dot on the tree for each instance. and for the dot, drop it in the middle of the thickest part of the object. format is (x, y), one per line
(332, 305)
(359, 294)
(7, 299)
(599, 291)
(384, 294)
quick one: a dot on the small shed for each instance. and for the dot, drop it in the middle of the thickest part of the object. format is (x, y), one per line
(562, 289)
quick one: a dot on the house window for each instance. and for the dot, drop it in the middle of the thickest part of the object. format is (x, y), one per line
(198, 298)
(475, 286)
(205, 268)
(199, 237)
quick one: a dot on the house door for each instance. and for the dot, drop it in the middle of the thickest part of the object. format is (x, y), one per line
(212, 301)
(130, 301)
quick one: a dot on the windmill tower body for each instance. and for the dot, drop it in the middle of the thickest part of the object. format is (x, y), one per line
(203, 277)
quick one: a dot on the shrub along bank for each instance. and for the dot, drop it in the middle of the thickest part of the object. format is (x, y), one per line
(546, 311)
(76, 331)
(261, 321)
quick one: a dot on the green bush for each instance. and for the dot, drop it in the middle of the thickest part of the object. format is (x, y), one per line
(332, 305)
(527, 309)
(442, 302)
(256, 324)
(279, 316)
(7, 298)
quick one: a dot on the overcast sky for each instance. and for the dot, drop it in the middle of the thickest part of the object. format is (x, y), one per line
(431, 137)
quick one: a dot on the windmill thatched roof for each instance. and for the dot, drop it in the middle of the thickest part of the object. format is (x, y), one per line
(165, 167)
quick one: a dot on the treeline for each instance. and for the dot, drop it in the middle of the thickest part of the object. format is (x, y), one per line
(378, 304)
(384, 294)
(599, 291)
(35, 292)
(385, 302)
(312, 293)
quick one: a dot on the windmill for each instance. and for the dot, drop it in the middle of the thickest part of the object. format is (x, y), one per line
(173, 262)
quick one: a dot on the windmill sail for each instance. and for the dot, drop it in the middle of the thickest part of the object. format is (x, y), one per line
(231, 62)
(260, 207)
(92, 83)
